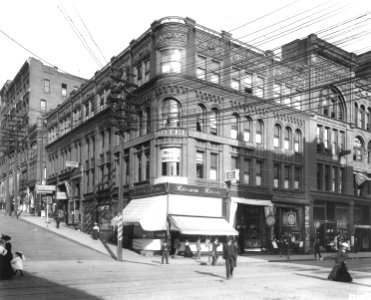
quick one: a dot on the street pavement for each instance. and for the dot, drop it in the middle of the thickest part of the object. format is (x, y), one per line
(74, 266)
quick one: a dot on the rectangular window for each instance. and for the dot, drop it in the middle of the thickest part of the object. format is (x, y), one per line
(259, 89)
(200, 164)
(296, 101)
(276, 176)
(287, 176)
(286, 96)
(139, 166)
(201, 67)
(46, 85)
(171, 61)
(234, 163)
(334, 149)
(215, 72)
(64, 90)
(246, 172)
(235, 79)
(341, 180)
(342, 141)
(258, 173)
(247, 83)
(326, 138)
(319, 177)
(146, 70)
(297, 178)
(277, 92)
(327, 178)
(43, 105)
(213, 166)
(333, 178)
(147, 166)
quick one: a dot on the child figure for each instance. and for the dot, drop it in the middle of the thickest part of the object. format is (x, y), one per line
(17, 262)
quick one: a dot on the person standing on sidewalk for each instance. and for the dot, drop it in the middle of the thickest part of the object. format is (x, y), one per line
(165, 251)
(317, 249)
(230, 256)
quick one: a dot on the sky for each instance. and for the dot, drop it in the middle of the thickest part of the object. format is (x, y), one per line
(44, 28)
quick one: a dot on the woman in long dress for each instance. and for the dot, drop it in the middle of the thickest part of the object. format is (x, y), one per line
(340, 270)
(6, 270)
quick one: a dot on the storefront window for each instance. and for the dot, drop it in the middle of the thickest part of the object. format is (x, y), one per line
(170, 160)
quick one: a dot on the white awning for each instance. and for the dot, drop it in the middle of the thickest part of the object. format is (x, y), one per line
(149, 212)
(256, 202)
(201, 225)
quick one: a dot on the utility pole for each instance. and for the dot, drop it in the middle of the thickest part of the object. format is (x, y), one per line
(12, 134)
(121, 104)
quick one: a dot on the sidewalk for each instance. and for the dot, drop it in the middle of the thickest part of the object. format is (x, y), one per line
(134, 257)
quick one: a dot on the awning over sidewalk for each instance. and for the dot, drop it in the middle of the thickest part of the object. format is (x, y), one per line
(201, 225)
(256, 202)
(150, 213)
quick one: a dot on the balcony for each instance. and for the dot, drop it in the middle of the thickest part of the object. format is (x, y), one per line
(180, 132)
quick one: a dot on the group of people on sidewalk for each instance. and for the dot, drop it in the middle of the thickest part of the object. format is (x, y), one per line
(10, 264)
(230, 252)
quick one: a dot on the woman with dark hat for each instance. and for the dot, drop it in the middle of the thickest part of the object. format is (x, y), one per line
(6, 270)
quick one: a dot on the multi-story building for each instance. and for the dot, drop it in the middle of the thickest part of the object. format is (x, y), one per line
(209, 107)
(35, 90)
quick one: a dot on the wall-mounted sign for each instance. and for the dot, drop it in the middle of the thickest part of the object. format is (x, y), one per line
(170, 155)
(289, 218)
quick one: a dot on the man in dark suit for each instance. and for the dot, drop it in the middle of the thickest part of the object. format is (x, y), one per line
(230, 256)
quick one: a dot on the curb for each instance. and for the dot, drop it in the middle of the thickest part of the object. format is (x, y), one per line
(64, 236)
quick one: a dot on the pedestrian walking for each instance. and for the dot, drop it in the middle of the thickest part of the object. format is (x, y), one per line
(230, 256)
(208, 247)
(165, 251)
(214, 251)
(95, 231)
(317, 249)
(176, 247)
(340, 270)
(17, 262)
(198, 248)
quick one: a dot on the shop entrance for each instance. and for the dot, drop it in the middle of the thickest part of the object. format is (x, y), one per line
(362, 238)
(251, 227)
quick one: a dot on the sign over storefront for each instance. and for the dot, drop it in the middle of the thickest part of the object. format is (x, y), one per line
(232, 175)
(41, 188)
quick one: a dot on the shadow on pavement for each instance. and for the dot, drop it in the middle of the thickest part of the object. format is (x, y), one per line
(32, 287)
(209, 274)
(108, 249)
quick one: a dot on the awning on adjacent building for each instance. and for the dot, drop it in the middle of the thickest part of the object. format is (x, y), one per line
(256, 202)
(201, 225)
(150, 213)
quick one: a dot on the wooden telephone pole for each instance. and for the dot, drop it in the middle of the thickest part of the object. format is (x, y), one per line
(122, 107)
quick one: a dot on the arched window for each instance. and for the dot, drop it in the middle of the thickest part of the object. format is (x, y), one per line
(277, 136)
(297, 141)
(287, 144)
(234, 126)
(200, 118)
(368, 120)
(214, 121)
(259, 132)
(171, 113)
(362, 112)
(247, 130)
(358, 147)
(331, 103)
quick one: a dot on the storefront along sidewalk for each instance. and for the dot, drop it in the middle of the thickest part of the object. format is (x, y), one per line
(86, 240)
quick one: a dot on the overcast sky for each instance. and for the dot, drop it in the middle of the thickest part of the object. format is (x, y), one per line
(41, 27)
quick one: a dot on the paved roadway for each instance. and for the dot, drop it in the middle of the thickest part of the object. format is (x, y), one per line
(58, 268)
